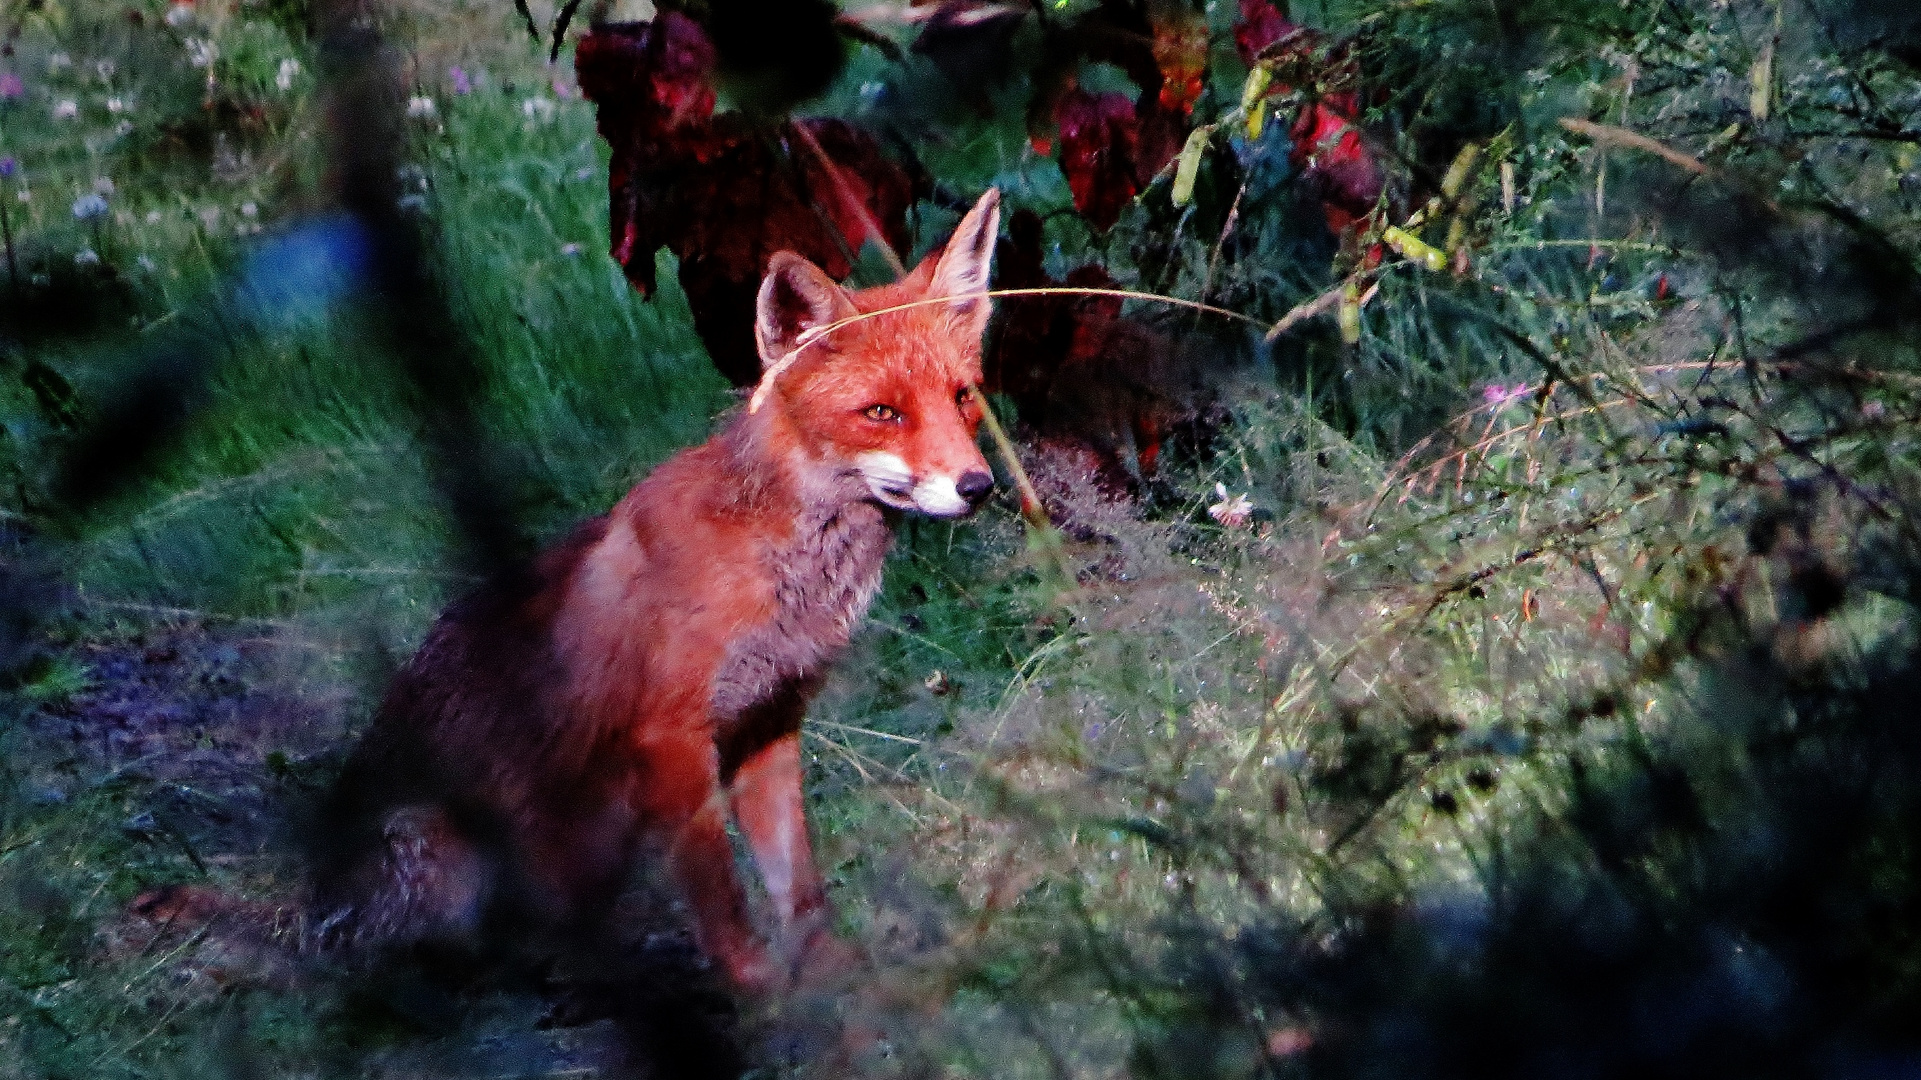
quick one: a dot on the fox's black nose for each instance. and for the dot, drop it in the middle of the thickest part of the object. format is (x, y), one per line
(974, 486)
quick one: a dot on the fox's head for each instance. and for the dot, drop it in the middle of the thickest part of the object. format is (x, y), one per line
(887, 400)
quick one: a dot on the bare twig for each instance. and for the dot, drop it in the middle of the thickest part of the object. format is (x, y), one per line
(1608, 134)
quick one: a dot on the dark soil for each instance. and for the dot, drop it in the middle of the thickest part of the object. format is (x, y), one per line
(195, 721)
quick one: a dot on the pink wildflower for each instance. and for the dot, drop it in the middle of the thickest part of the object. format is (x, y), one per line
(1499, 396)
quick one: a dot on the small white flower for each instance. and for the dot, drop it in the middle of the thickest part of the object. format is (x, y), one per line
(248, 209)
(538, 109)
(585, 172)
(116, 105)
(90, 206)
(153, 217)
(570, 250)
(289, 69)
(123, 129)
(201, 52)
(210, 217)
(102, 185)
(24, 195)
(66, 109)
(1232, 511)
(105, 69)
(86, 257)
(144, 263)
(179, 14)
(420, 107)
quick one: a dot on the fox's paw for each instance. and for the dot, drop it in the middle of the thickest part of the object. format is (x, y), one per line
(218, 939)
(180, 907)
(824, 963)
(753, 972)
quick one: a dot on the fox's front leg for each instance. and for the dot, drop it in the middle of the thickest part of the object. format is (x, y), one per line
(681, 799)
(769, 807)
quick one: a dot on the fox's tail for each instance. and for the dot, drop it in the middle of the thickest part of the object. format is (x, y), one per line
(422, 882)
(226, 938)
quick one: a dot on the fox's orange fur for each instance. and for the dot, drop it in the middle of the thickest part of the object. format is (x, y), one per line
(646, 678)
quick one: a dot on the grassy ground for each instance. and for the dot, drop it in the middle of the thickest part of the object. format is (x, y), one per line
(1510, 538)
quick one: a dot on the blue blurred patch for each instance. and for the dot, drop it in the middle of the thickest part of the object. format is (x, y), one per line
(1264, 165)
(304, 273)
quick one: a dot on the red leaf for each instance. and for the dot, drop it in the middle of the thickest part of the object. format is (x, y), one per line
(648, 78)
(1180, 51)
(1162, 132)
(1262, 24)
(1100, 145)
(719, 192)
(1111, 150)
(1332, 158)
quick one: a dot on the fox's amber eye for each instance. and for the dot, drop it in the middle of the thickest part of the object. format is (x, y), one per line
(881, 413)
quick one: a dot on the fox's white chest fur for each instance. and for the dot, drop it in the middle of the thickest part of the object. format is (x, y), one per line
(824, 580)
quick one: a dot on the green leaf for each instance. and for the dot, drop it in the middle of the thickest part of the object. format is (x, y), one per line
(1761, 95)
(1255, 90)
(1460, 170)
(1190, 165)
(1414, 249)
(1349, 315)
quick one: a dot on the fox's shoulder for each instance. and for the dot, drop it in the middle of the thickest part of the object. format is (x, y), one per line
(698, 524)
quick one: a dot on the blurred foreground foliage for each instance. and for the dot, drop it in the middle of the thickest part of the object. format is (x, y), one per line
(1514, 672)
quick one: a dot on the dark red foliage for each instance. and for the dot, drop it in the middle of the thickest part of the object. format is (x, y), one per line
(1026, 335)
(1336, 163)
(1100, 154)
(1110, 148)
(720, 192)
(1262, 23)
(1075, 367)
(1162, 131)
(652, 79)
(1114, 386)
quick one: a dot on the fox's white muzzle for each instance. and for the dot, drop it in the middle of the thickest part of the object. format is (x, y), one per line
(936, 495)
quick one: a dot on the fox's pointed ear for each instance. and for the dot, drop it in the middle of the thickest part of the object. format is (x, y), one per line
(796, 296)
(963, 266)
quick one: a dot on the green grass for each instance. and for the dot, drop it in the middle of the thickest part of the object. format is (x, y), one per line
(301, 487)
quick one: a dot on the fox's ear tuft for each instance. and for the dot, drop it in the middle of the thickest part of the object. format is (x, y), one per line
(795, 297)
(964, 264)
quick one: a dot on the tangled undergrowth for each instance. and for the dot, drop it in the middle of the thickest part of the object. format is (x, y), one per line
(1512, 673)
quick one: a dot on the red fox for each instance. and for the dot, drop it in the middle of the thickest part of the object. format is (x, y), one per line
(648, 675)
